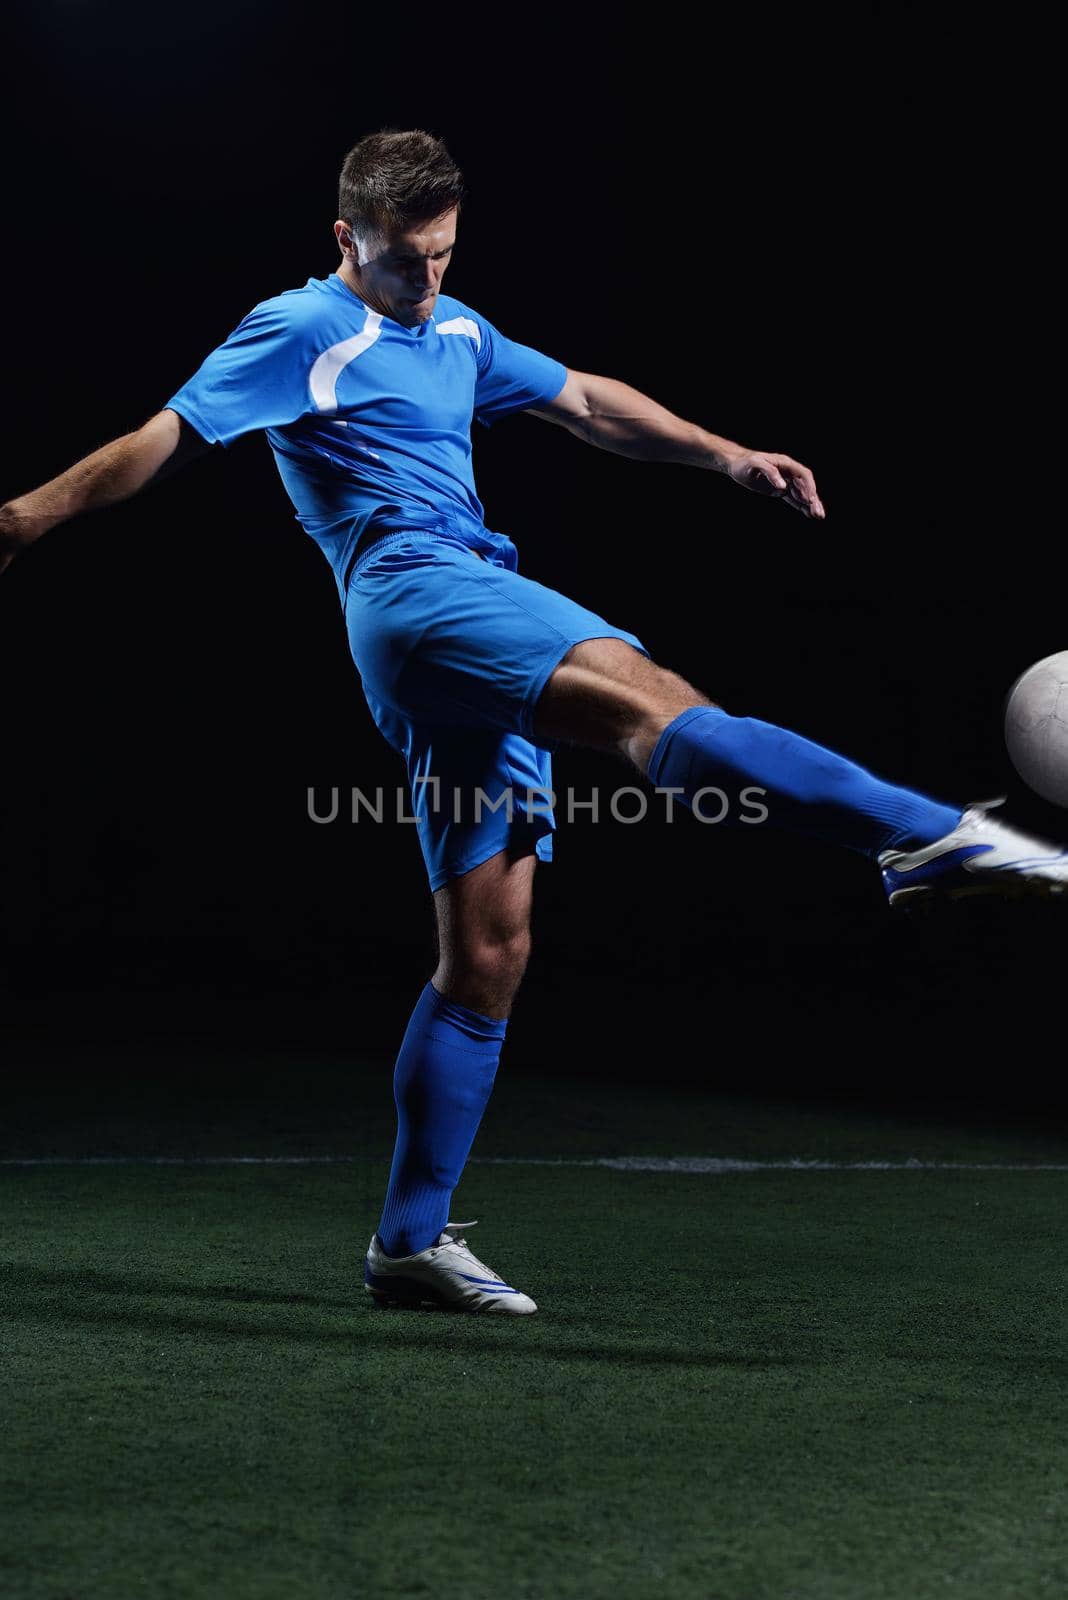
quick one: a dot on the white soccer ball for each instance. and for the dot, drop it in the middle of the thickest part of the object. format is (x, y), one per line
(1036, 727)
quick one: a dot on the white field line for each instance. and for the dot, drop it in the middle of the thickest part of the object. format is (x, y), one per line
(696, 1165)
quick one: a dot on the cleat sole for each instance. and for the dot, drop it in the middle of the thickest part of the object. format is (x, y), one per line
(390, 1300)
(1004, 889)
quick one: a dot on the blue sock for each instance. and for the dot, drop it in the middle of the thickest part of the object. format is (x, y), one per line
(441, 1085)
(808, 788)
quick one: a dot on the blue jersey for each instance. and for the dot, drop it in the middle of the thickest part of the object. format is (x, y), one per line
(369, 421)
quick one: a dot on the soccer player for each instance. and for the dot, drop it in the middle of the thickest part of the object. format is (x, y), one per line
(365, 382)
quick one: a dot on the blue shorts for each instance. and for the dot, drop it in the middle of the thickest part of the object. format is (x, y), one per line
(453, 651)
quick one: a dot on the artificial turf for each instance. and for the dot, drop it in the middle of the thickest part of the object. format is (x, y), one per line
(798, 1385)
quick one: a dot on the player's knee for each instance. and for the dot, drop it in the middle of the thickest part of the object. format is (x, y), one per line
(607, 694)
(672, 694)
(498, 962)
(485, 971)
(665, 696)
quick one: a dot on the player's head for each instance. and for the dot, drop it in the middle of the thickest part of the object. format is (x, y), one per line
(398, 205)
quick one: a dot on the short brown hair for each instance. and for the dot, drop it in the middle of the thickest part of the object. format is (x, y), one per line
(395, 178)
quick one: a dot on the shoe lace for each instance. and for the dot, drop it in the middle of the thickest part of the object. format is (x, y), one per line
(452, 1239)
(974, 814)
(1028, 843)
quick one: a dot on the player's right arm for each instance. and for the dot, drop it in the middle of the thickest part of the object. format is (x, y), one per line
(257, 378)
(113, 473)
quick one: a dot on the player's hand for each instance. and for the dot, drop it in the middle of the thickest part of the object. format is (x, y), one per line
(779, 476)
(16, 532)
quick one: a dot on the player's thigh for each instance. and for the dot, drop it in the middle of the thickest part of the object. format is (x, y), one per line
(449, 640)
(474, 793)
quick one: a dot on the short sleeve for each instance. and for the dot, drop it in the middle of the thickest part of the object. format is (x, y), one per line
(258, 378)
(511, 376)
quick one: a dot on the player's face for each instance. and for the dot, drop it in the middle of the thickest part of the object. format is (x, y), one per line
(399, 272)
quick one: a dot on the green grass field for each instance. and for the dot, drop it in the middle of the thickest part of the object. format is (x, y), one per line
(762, 1385)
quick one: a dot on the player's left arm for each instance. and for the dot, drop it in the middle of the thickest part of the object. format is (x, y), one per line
(615, 417)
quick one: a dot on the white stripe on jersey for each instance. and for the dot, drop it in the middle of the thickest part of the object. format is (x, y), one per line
(327, 368)
(461, 325)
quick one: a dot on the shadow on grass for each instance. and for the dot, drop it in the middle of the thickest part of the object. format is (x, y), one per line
(90, 1281)
(23, 1303)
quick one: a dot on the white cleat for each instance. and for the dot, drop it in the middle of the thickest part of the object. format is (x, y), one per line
(980, 856)
(447, 1275)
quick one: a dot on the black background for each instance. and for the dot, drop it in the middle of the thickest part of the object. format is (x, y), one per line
(827, 236)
